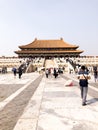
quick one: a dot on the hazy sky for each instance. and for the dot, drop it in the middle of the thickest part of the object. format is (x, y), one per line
(21, 21)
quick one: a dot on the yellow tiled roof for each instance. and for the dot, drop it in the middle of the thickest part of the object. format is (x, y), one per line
(48, 44)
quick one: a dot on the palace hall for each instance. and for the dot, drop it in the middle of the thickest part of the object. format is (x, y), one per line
(48, 49)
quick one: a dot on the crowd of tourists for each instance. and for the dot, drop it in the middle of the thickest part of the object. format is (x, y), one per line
(53, 71)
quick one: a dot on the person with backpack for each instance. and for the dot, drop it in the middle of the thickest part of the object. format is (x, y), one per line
(83, 76)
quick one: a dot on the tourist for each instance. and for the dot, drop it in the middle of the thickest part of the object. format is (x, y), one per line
(83, 77)
(95, 73)
(55, 73)
(20, 72)
(47, 73)
(14, 71)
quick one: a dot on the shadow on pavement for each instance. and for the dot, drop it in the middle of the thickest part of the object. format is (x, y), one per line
(91, 101)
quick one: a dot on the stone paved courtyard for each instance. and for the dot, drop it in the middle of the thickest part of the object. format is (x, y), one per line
(35, 102)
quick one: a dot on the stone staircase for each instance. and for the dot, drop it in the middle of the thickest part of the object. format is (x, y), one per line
(51, 63)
